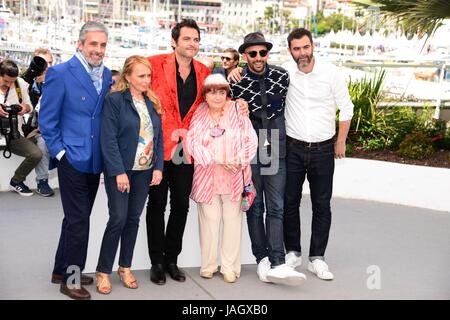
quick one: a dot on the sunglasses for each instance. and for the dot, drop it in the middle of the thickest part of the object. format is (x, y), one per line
(225, 58)
(262, 53)
(216, 132)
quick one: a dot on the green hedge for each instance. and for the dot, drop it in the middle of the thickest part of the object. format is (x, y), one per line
(412, 134)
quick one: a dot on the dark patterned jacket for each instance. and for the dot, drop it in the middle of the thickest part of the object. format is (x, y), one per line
(268, 89)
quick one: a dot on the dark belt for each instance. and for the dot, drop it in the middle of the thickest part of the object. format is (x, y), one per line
(309, 144)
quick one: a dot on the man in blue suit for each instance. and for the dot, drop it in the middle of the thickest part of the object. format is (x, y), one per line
(69, 121)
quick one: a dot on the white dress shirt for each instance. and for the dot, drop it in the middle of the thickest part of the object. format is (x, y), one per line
(312, 99)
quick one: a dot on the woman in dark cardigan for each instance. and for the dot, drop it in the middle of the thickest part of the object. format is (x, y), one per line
(133, 153)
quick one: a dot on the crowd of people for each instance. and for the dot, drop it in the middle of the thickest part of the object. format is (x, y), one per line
(170, 122)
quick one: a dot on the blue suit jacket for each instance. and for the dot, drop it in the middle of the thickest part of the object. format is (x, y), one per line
(70, 115)
(120, 133)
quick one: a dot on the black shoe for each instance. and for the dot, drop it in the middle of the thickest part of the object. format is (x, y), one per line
(175, 273)
(85, 280)
(157, 274)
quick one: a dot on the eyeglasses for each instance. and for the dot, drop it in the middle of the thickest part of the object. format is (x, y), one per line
(262, 53)
(225, 58)
(216, 132)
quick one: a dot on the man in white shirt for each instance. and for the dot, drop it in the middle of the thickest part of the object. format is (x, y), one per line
(14, 91)
(315, 91)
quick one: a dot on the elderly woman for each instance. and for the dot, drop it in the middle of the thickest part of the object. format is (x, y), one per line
(222, 143)
(132, 147)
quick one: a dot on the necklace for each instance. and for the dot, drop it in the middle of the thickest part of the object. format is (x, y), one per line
(215, 119)
(137, 95)
(141, 98)
(214, 130)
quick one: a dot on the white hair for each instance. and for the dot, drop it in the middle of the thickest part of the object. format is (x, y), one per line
(91, 26)
(215, 79)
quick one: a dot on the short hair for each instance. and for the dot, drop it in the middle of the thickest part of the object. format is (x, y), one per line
(188, 23)
(299, 33)
(234, 52)
(215, 82)
(42, 51)
(91, 26)
(115, 73)
(9, 68)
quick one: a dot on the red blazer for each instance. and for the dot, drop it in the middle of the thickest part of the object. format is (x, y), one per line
(164, 84)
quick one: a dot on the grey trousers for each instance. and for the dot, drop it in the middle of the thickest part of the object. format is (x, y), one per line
(42, 167)
(25, 148)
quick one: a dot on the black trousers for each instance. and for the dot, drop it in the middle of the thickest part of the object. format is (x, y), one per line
(78, 191)
(317, 165)
(165, 244)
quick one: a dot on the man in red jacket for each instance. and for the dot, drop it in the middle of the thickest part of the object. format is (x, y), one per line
(177, 80)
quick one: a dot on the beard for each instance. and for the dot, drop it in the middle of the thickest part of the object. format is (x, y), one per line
(188, 53)
(94, 63)
(305, 62)
(253, 68)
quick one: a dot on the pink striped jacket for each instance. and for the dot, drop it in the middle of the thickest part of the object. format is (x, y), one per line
(241, 143)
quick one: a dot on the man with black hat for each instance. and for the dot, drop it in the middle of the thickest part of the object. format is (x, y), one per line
(264, 87)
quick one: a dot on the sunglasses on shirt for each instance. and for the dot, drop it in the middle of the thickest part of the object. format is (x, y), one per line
(216, 132)
(228, 59)
(262, 53)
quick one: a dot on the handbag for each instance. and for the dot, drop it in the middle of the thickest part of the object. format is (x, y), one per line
(248, 195)
(249, 191)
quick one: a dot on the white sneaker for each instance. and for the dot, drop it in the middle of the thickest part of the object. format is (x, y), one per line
(262, 269)
(283, 274)
(320, 269)
(292, 260)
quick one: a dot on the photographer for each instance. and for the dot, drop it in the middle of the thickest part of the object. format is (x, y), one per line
(35, 76)
(14, 91)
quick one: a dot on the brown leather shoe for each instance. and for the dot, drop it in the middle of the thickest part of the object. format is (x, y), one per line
(77, 294)
(85, 280)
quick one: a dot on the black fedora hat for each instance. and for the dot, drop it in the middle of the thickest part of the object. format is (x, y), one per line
(252, 39)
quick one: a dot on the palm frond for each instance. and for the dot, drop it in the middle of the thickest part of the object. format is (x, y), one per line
(418, 16)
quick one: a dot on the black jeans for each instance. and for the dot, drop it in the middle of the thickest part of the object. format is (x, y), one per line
(164, 247)
(317, 164)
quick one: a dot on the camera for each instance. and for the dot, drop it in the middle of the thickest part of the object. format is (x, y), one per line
(10, 125)
(36, 68)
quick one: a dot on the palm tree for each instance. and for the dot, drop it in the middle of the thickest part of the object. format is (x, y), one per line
(415, 16)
